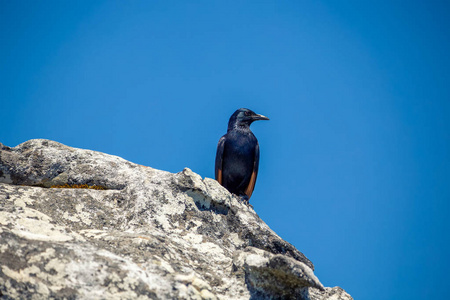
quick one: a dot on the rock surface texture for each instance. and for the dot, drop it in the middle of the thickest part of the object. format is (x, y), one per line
(150, 235)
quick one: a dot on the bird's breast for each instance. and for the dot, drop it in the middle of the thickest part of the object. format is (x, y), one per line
(239, 154)
(241, 145)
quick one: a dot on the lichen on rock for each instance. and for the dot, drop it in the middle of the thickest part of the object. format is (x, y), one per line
(149, 234)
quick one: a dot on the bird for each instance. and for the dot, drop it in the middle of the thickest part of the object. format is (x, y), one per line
(237, 157)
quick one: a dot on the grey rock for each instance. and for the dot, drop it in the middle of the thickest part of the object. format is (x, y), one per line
(150, 235)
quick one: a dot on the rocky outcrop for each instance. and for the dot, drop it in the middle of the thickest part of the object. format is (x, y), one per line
(148, 234)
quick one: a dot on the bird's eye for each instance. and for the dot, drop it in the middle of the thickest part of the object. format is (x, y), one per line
(247, 113)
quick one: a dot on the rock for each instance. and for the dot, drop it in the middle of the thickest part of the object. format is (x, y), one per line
(149, 235)
(270, 276)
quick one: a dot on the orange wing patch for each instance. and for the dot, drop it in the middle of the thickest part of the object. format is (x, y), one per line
(251, 185)
(219, 176)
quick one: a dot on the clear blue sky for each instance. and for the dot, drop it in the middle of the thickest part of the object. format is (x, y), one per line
(355, 161)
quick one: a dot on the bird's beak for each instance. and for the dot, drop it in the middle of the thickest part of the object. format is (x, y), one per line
(260, 117)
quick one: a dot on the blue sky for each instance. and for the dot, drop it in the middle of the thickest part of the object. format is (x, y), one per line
(355, 161)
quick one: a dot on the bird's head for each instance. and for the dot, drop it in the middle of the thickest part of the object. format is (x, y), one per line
(243, 117)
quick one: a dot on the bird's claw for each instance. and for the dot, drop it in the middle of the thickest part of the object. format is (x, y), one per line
(246, 199)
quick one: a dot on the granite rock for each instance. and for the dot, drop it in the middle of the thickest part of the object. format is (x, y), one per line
(149, 234)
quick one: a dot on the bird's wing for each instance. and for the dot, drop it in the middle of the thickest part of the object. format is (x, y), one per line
(219, 159)
(251, 184)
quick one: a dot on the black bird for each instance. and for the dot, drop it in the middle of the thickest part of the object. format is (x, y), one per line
(237, 157)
